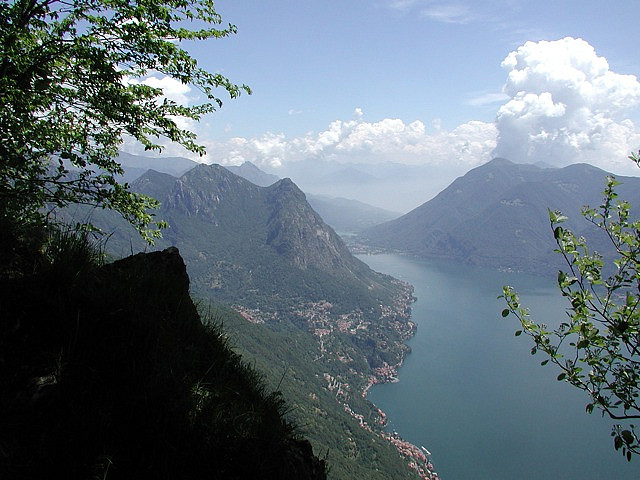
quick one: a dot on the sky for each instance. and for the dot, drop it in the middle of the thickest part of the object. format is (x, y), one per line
(424, 82)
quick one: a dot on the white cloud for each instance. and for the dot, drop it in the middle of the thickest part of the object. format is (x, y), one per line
(171, 88)
(449, 13)
(403, 4)
(561, 104)
(357, 140)
(455, 12)
(566, 106)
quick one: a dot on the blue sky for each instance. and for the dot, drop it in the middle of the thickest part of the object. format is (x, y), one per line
(415, 81)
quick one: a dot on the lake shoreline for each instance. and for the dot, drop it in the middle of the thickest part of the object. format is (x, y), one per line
(418, 457)
(473, 394)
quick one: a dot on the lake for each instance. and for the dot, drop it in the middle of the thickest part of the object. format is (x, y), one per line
(472, 393)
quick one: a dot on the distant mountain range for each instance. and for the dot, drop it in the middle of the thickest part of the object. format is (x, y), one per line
(345, 215)
(349, 216)
(346, 176)
(250, 172)
(388, 185)
(496, 215)
(135, 165)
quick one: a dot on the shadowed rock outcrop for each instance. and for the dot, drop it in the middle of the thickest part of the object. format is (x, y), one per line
(109, 372)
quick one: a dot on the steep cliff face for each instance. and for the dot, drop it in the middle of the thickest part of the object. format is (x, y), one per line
(211, 193)
(244, 243)
(298, 233)
(110, 372)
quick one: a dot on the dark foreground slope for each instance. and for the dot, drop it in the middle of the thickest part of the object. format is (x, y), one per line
(496, 215)
(109, 373)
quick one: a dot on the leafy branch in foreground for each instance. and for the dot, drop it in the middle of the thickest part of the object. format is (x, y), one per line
(74, 81)
(597, 348)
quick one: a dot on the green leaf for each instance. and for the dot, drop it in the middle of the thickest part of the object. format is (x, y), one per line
(518, 333)
(582, 344)
(557, 233)
(505, 312)
(562, 376)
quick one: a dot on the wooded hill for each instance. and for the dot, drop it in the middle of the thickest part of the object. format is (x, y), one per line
(318, 322)
(497, 215)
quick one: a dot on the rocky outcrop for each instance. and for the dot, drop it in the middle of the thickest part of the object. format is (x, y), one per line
(298, 233)
(111, 372)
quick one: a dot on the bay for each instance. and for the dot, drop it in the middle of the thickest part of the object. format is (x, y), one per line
(472, 393)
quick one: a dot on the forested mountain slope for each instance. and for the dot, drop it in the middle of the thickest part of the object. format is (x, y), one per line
(267, 259)
(496, 215)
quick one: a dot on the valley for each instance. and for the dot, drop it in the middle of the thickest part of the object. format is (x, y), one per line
(390, 240)
(277, 274)
(322, 326)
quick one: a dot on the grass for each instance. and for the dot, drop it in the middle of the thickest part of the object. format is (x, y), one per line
(109, 372)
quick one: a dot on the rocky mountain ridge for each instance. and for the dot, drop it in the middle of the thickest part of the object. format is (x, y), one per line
(250, 226)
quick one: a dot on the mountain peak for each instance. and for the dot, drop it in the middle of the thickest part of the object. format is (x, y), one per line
(251, 172)
(286, 185)
(500, 161)
(496, 215)
(239, 230)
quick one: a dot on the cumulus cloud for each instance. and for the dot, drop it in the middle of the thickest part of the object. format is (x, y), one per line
(171, 88)
(356, 140)
(566, 106)
(561, 104)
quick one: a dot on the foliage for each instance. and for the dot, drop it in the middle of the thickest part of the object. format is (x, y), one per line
(72, 87)
(598, 347)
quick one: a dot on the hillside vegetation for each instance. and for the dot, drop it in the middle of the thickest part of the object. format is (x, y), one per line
(318, 322)
(109, 372)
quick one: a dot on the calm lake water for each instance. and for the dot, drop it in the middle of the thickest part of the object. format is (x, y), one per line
(472, 393)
